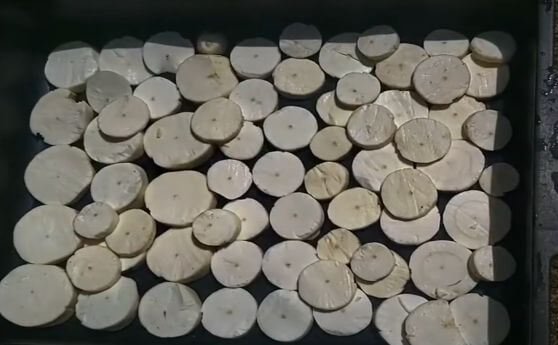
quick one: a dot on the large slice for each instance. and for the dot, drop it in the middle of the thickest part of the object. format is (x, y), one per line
(349, 320)
(133, 234)
(499, 179)
(390, 316)
(165, 51)
(372, 262)
(160, 95)
(378, 42)
(237, 264)
(488, 129)
(493, 264)
(229, 178)
(229, 313)
(93, 268)
(338, 245)
(257, 99)
(411, 232)
(216, 227)
(283, 262)
(296, 216)
(354, 209)
(356, 89)
(299, 40)
(433, 323)
(371, 126)
(441, 79)
(391, 285)
(253, 217)
(396, 70)
(217, 121)
(339, 56)
(455, 114)
(404, 105)
(105, 87)
(298, 78)
(247, 143)
(95, 220)
(103, 149)
(493, 47)
(331, 111)
(121, 186)
(326, 180)
(487, 80)
(330, 144)
(290, 128)
(124, 56)
(124, 117)
(255, 57)
(423, 140)
(70, 64)
(446, 42)
(278, 173)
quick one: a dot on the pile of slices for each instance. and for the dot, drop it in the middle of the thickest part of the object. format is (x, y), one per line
(410, 119)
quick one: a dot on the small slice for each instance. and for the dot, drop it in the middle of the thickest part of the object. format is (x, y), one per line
(408, 194)
(404, 105)
(58, 175)
(133, 235)
(237, 264)
(105, 87)
(333, 280)
(124, 56)
(493, 47)
(290, 128)
(247, 143)
(93, 268)
(103, 149)
(229, 178)
(229, 313)
(95, 221)
(487, 80)
(283, 262)
(339, 56)
(257, 99)
(170, 310)
(255, 58)
(455, 114)
(165, 51)
(371, 126)
(356, 89)
(326, 180)
(253, 217)
(160, 95)
(488, 129)
(330, 144)
(411, 232)
(492, 264)
(298, 78)
(432, 323)
(391, 285)
(446, 42)
(349, 320)
(390, 316)
(396, 70)
(439, 269)
(300, 40)
(283, 317)
(372, 262)
(124, 117)
(354, 209)
(45, 235)
(213, 43)
(296, 216)
(331, 112)
(499, 179)
(216, 227)
(278, 173)
(378, 42)
(70, 64)
(338, 245)
(423, 140)
(217, 121)
(121, 186)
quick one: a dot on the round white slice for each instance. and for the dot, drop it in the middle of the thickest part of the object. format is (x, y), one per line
(247, 143)
(300, 40)
(229, 178)
(446, 42)
(93, 268)
(475, 219)
(339, 56)
(455, 114)
(499, 179)
(326, 285)
(121, 186)
(423, 140)
(441, 79)
(488, 129)
(214, 43)
(171, 144)
(370, 168)
(255, 58)
(283, 262)
(165, 51)
(201, 78)
(396, 70)
(278, 173)
(253, 217)
(481, 319)
(349, 320)
(133, 234)
(170, 310)
(458, 170)
(229, 313)
(105, 87)
(112, 309)
(371, 126)
(290, 128)
(330, 111)
(408, 194)
(330, 144)
(493, 47)
(298, 78)
(354, 209)
(36, 295)
(338, 245)
(372, 262)
(216, 227)
(439, 269)
(487, 80)
(103, 149)
(59, 119)
(390, 316)
(391, 285)
(70, 64)
(411, 232)
(175, 256)
(237, 264)
(492, 264)
(58, 175)
(217, 121)
(296, 216)
(404, 105)
(283, 317)
(378, 42)
(176, 198)
(356, 89)
(432, 323)
(257, 99)
(95, 220)
(160, 95)
(124, 56)
(326, 180)
(45, 235)
(124, 117)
